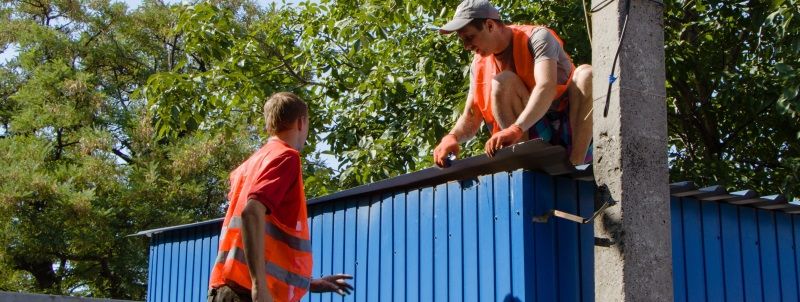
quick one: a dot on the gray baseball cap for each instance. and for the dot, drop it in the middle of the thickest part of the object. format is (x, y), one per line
(468, 10)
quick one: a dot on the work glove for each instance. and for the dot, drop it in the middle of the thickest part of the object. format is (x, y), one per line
(505, 137)
(448, 144)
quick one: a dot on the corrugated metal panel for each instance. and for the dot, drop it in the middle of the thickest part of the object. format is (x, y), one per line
(728, 252)
(180, 263)
(469, 240)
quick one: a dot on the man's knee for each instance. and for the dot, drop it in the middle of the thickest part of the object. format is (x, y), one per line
(583, 74)
(506, 81)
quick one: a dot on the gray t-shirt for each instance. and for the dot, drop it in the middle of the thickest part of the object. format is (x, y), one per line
(543, 46)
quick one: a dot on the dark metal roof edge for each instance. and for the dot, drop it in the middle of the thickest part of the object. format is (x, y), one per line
(150, 233)
(717, 193)
(534, 155)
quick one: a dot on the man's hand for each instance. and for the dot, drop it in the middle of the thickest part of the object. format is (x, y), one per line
(332, 283)
(260, 294)
(505, 137)
(448, 144)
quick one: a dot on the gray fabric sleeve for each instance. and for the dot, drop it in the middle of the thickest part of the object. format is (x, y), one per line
(544, 46)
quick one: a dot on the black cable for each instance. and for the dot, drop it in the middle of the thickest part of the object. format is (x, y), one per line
(611, 77)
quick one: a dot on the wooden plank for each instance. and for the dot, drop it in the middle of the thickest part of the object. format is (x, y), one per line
(769, 256)
(519, 190)
(486, 255)
(712, 251)
(455, 241)
(374, 250)
(350, 238)
(440, 243)
(361, 279)
(586, 192)
(426, 245)
(399, 244)
(327, 246)
(338, 239)
(693, 240)
(387, 248)
(471, 247)
(678, 255)
(751, 259)
(545, 236)
(412, 245)
(786, 258)
(502, 236)
(567, 243)
(731, 252)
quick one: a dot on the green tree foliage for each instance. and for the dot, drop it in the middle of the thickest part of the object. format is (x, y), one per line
(733, 75)
(80, 165)
(114, 121)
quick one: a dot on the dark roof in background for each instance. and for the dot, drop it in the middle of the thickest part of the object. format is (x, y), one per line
(534, 155)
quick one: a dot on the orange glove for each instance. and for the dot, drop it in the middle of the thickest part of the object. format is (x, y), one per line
(448, 144)
(505, 137)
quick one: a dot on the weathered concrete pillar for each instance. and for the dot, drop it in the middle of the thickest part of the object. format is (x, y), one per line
(631, 153)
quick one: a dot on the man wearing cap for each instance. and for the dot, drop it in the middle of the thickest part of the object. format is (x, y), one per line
(523, 85)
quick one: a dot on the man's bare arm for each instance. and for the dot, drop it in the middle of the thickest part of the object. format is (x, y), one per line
(468, 123)
(542, 95)
(253, 232)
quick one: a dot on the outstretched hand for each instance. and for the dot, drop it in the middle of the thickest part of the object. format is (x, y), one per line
(448, 144)
(505, 137)
(332, 283)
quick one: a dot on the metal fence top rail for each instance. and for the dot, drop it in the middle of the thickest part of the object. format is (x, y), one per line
(534, 155)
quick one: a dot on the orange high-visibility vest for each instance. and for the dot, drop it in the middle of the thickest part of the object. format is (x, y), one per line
(287, 251)
(484, 69)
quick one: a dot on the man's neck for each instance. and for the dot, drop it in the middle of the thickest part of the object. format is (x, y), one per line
(506, 36)
(288, 137)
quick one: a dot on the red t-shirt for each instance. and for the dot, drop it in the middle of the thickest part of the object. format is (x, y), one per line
(273, 177)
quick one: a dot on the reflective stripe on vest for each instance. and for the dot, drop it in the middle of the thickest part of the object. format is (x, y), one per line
(276, 233)
(272, 269)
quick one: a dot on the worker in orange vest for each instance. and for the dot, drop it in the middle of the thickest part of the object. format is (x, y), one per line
(523, 85)
(265, 248)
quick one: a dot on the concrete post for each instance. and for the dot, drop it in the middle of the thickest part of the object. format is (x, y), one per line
(630, 155)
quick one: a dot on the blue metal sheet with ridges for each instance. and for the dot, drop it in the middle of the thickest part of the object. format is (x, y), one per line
(486, 239)
(731, 252)
(786, 259)
(567, 252)
(440, 243)
(769, 256)
(471, 240)
(712, 251)
(678, 258)
(519, 228)
(426, 245)
(386, 248)
(502, 237)
(470, 243)
(693, 251)
(586, 243)
(455, 265)
(751, 258)
(544, 234)
(399, 247)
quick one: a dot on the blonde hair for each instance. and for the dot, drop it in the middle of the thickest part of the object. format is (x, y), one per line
(281, 110)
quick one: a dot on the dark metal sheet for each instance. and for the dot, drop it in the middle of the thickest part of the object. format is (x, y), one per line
(534, 155)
